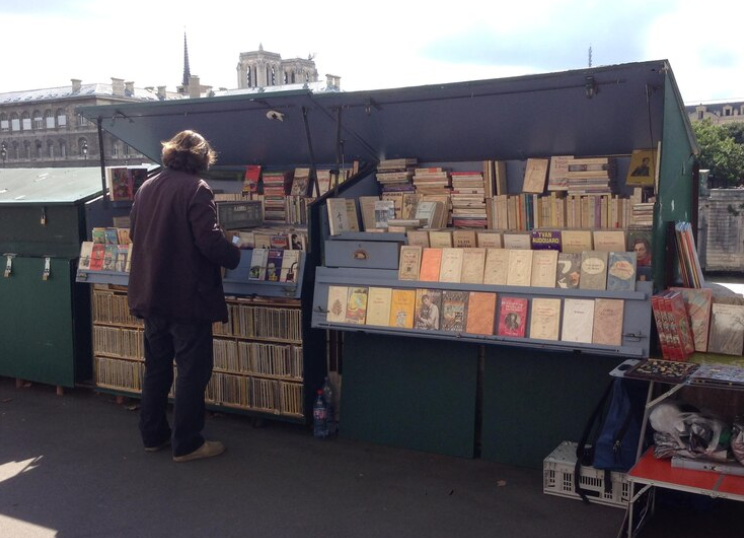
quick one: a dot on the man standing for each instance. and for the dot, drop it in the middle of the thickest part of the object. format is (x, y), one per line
(175, 285)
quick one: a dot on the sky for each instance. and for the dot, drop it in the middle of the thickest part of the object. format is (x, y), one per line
(370, 45)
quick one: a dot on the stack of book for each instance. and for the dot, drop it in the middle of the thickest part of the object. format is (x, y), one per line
(468, 200)
(395, 171)
(276, 183)
(642, 214)
(673, 325)
(689, 264)
(594, 175)
(432, 180)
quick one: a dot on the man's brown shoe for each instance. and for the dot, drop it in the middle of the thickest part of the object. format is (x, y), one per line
(209, 449)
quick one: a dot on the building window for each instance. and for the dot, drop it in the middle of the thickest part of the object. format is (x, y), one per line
(114, 149)
(700, 114)
(15, 122)
(38, 120)
(61, 118)
(26, 122)
(49, 119)
(727, 111)
(81, 121)
(39, 150)
(63, 149)
(27, 150)
(15, 154)
(4, 122)
(50, 150)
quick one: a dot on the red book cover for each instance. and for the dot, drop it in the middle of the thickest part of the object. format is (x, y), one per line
(658, 309)
(681, 323)
(252, 176)
(512, 317)
(675, 344)
(96, 257)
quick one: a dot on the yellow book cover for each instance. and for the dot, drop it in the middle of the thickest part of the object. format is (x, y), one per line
(609, 240)
(642, 168)
(356, 306)
(481, 313)
(410, 262)
(402, 307)
(378, 306)
(337, 297)
(535, 175)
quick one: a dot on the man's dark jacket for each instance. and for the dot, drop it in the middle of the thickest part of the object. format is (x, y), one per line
(177, 250)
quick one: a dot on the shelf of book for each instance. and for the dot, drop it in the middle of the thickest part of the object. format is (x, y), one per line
(636, 325)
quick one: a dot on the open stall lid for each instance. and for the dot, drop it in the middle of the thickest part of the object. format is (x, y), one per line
(49, 186)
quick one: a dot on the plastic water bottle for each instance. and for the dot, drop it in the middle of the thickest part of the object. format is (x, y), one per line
(328, 397)
(320, 417)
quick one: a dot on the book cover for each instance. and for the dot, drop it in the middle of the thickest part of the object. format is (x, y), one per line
(578, 320)
(639, 241)
(111, 236)
(481, 313)
(352, 216)
(297, 241)
(545, 240)
(454, 310)
(86, 249)
(621, 271)
(139, 176)
(122, 235)
(593, 270)
(657, 308)
(512, 317)
(464, 239)
(410, 262)
(337, 297)
(517, 240)
(338, 219)
(535, 175)
(608, 322)
(490, 240)
(122, 257)
(544, 268)
(279, 241)
(96, 257)
(110, 253)
(698, 304)
(120, 187)
(300, 182)
(356, 305)
(497, 267)
(674, 338)
(251, 178)
(290, 267)
(520, 268)
(402, 308)
(367, 207)
(558, 172)
(473, 265)
(545, 318)
(431, 263)
(384, 210)
(451, 267)
(576, 241)
(418, 238)
(440, 239)
(568, 273)
(378, 306)
(609, 240)
(259, 259)
(681, 322)
(262, 240)
(428, 303)
(642, 168)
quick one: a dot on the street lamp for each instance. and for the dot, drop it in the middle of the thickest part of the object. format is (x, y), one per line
(84, 149)
(3, 152)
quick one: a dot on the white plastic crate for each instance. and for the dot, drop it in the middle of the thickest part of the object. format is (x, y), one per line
(558, 479)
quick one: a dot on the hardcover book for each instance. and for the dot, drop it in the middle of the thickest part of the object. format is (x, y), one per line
(544, 267)
(356, 305)
(675, 305)
(568, 274)
(451, 267)
(576, 241)
(473, 265)
(454, 310)
(497, 266)
(578, 320)
(259, 259)
(546, 240)
(481, 313)
(726, 329)
(378, 306)
(698, 304)
(410, 262)
(290, 266)
(608, 322)
(337, 297)
(593, 270)
(621, 271)
(402, 307)
(251, 178)
(520, 268)
(512, 317)
(428, 304)
(545, 318)
(300, 182)
(431, 263)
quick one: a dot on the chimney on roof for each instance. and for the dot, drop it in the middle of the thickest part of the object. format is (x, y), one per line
(129, 88)
(194, 87)
(117, 86)
(333, 82)
(161, 93)
(76, 84)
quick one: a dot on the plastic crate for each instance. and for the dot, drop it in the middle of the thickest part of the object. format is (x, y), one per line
(558, 479)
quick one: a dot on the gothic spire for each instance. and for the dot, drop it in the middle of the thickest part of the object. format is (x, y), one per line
(186, 70)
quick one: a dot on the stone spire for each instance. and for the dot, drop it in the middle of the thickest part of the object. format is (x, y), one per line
(186, 70)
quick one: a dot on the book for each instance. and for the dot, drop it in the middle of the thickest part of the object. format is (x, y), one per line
(496, 270)
(352, 216)
(440, 239)
(97, 255)
(431, 211)
(464, 239)
(324, 182)
(517, 240)
(274, 264)
(119, 182)
(428, 303)
(544, 267)
(481, 313)
(122, 258)
(110, 252)
(642, 168)
(473, 265)
(512, 317)
(451, 267)
(520, 268)
(86, 249)
(698, 304)
(675, 305)
(431, 263)
(593, 270)
(384, 210)
(578, 320)
(662, 328)
(122, 235)
(338, 219)
(367, 207)
(545, 240)
(418, 238)
(673, 372)
(454, 310)
(402, 308)
(378, 306)
(545, 318)
(259, 259)
(640, 241)
(410, 262)
(608, 322)
(490, 240)
(726, 329)
(576, 241)
(621, 271)
(356, 305)
(558, 172)
(300, 182)
(609, 240)
(337, 298)
(568, 273)
(251, 178)
(98, 235)
(111, 236)
(535, 175)
(290, 267)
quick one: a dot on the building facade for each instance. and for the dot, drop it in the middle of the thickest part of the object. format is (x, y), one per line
(261, 69)
(42, 128)
(717, 113)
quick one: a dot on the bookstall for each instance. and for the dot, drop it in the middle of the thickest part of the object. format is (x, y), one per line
(504, 398)
(45, 315)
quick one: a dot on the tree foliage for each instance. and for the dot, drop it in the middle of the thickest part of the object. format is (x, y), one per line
(721, 150)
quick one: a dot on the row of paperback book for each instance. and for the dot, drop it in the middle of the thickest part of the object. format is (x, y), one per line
(296, 182)
(589, 270)
(112, 308)
(272, 238)
(265, 395)
(105, 257)
(590, 321)
(246, 320)
(274, 265)
(258, 358)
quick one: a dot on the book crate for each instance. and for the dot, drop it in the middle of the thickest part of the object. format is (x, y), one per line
(558, 479)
